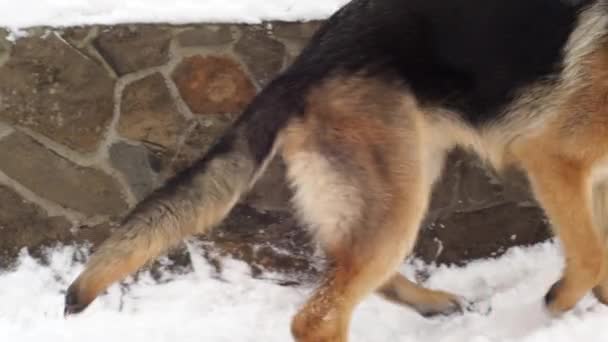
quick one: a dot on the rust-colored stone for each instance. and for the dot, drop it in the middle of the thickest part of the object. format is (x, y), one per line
(213, 85)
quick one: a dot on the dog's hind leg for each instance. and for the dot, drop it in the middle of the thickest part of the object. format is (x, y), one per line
(427, 302)
(357, 164)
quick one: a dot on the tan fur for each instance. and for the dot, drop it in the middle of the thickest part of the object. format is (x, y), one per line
(600, 215)
(357, 166)
(560, 162)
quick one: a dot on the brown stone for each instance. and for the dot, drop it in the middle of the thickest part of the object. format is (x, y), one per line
(131, 48)
(478, 188)
(302, 31)
(263, 55)
(87, 190)
(76, 35)
(266, 241)
(475, 214)
(5, 130)
(213, 85)
(25, 225)
(271, 192)
(149, 115)
(207, 35)
(51, 88)
(486, 233)
(445, 191)
(5, 46)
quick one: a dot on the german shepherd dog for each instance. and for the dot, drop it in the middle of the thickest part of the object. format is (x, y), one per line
(363, 120)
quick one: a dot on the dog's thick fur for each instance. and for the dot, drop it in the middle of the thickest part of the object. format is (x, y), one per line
(363, 120)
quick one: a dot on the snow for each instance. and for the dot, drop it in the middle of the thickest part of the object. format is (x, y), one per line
(202, 306)
(27, 13)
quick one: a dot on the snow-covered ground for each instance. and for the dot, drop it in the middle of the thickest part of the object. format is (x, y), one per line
(199, 306)
(26, 13)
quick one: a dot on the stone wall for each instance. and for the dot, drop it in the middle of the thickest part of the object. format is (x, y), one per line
(94, 118)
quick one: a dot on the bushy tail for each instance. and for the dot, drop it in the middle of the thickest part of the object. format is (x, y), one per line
(190, 203)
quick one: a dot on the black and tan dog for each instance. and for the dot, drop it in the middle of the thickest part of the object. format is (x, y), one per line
(363, 120)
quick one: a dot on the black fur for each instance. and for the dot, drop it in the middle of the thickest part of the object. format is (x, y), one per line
(469, 56)
(465, 55)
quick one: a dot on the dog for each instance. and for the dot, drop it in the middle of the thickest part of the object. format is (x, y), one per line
(364, 118)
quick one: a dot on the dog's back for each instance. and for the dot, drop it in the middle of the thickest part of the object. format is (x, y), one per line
(364, 118)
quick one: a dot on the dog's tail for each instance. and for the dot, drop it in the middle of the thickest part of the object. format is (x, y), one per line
(193, 201)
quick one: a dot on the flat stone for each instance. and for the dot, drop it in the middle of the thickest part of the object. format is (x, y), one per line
(486, 233)
(5, 130)
(517, 187)
(87, 190)
(76, 35)
(131, 48)
(148, 114)
(213, 85)
(270, 192)
(49, 87)
(263, 55)
(5, 46)
(478, 187)
(134, 163)
(445, 191)
(296, 30)
(205, 131)
(266, 241)
(207, 35)
(24, 224)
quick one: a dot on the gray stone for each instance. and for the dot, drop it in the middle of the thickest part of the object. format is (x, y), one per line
(131, 48)
(263, 55)
(134, 163)
(207, 35)
(51, 88)
(87, 190)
